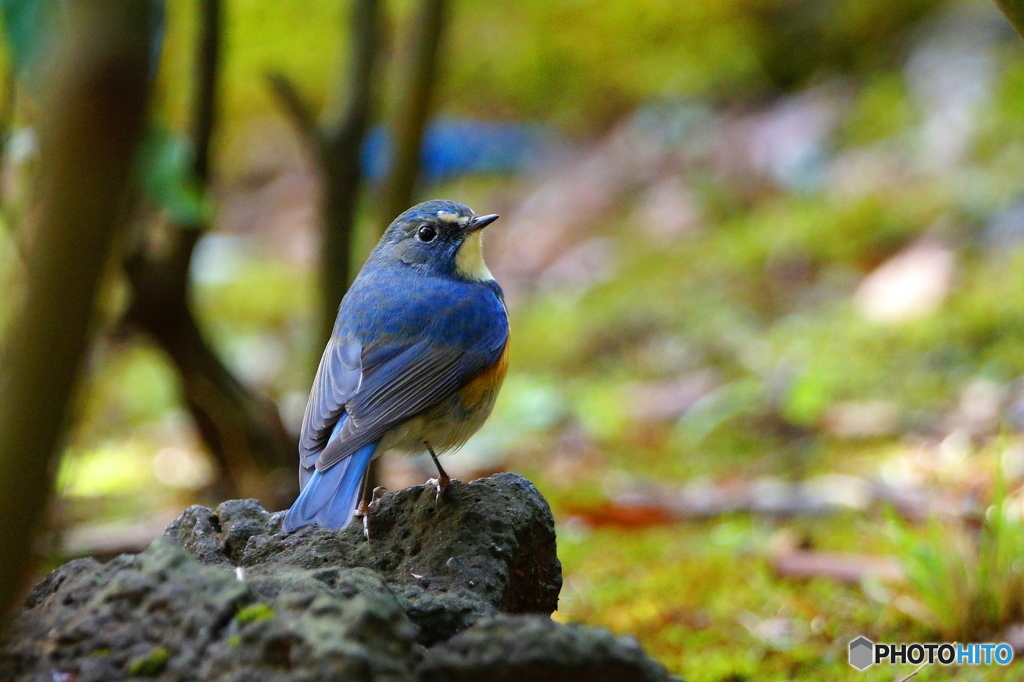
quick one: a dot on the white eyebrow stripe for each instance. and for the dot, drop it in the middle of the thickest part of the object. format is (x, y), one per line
(449, 217)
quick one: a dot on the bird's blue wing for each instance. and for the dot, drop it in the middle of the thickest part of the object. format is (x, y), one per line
(410, 379)
(329, 497)
(337, 380)
(388, 362)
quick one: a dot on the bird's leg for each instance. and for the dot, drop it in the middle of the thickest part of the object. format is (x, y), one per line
(378, 493)
(366, 506)
(443, 480)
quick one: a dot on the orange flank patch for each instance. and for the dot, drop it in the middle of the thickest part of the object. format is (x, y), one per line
(487, 381)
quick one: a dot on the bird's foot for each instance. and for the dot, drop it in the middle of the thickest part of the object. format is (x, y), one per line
(364, 510)
(375, 496)
(441, 484)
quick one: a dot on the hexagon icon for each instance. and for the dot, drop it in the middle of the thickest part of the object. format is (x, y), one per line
(862, 653)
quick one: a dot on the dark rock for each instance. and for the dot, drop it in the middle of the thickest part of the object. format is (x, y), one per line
(514, 648)
(219, 536)
(487, 548)
(198, 530)
(239, 521)
(333, 624)
(96, 619)
(224, 595)
(162, 614)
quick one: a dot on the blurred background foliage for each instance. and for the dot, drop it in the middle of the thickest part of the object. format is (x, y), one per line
(764, 263)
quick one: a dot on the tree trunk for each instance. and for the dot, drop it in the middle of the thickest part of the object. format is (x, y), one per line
(93, 105)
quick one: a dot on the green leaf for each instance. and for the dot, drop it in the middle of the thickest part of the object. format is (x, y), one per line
(28, 25)
(167, 179)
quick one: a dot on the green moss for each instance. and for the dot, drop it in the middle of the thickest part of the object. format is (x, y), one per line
(883, 109)
(703, 598)
(151, 664)
(255, 613)
(234, 640)
(100, 653)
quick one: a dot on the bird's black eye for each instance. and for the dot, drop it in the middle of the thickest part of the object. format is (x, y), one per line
(426, 233)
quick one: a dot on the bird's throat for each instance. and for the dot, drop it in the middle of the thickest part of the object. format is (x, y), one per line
(469, 261)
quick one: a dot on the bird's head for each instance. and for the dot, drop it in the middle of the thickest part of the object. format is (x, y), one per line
(444, 237)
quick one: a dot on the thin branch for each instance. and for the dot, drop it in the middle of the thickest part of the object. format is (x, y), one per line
(357, 91)
(242, 430)
(335, 148)
(295, 107)
(207, 66)
(1014, 11)
(914, 673)
(340, 162)
(411, 107)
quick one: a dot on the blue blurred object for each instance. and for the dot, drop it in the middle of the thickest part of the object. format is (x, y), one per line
(459, 146)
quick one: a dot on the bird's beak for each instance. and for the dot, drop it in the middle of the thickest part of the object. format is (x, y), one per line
(480, 222)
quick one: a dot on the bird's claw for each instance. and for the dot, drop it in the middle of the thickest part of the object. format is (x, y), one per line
(441, 484)
(375, 496)
(363, 510)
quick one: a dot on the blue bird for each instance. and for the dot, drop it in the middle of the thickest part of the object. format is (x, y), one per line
(415, 361)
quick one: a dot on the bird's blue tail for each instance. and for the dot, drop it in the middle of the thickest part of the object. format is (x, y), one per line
(329, 498)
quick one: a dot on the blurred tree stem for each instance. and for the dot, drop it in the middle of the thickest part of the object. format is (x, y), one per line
(407, 119)
(242, 430)
(335, 146)
(93, 105)
(207, 72)
(417, 79)
(1014, 11)
(7, 109)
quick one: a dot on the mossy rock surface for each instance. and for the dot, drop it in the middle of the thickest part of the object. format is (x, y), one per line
(225, 595)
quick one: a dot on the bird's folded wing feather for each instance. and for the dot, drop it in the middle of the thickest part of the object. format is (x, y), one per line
(337, 379)
(395, 382)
